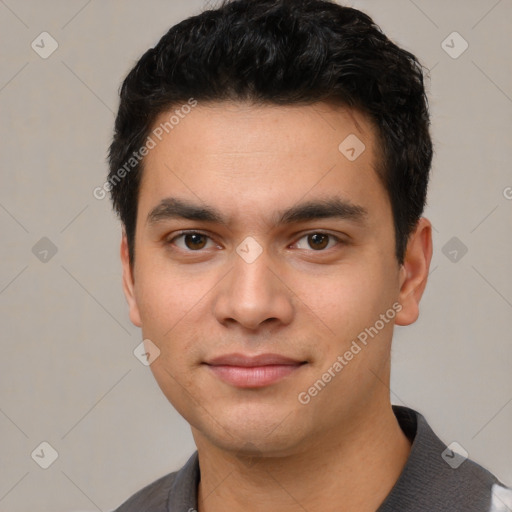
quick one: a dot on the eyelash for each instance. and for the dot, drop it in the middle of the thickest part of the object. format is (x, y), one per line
(180, 234)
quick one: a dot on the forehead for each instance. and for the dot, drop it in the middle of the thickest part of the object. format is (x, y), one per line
(245, 155)
(237, 127)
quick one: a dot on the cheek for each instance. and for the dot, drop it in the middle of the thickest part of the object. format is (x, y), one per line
(169, 306)
(166, 323)
(348, 299)
(176, 385)
(163, 299)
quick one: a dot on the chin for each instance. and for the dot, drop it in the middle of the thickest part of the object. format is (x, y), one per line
(253, 433)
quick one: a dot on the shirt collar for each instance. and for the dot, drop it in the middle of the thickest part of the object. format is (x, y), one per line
(424, 475)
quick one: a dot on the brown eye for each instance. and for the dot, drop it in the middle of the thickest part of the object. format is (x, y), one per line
(318, 241)
(191, 241)
(195, 241)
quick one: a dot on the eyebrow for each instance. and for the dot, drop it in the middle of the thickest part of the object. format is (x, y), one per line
(334, 207)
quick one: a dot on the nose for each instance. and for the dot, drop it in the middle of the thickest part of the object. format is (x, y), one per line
(253, 295)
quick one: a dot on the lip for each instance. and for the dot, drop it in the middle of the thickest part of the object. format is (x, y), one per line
(258, 371)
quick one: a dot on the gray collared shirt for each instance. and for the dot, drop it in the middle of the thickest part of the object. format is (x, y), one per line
(434, 479)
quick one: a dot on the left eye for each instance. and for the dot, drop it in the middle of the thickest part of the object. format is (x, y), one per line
(317, 241)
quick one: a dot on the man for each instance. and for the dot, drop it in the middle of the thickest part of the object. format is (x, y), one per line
(270, 166)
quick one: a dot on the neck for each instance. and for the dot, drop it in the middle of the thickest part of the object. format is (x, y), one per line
(343, 469)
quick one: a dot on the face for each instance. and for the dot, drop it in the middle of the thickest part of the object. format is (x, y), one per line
(264, 251)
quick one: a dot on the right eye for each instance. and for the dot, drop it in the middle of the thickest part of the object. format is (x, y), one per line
(191, 241)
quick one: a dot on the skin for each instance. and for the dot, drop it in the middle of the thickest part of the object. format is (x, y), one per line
(261, 449)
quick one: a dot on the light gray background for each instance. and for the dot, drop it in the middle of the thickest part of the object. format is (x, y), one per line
(67, 371)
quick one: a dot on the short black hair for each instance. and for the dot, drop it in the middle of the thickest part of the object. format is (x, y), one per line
(281, 52)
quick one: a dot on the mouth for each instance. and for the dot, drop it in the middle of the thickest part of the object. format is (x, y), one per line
(244, 371)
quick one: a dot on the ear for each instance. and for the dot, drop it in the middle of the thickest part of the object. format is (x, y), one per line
(129, 283)
(414, 272)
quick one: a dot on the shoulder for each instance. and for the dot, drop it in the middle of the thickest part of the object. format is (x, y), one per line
(440, 477)
(175, 491)
(152, 498)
